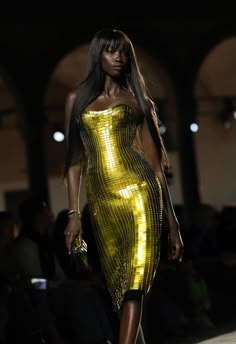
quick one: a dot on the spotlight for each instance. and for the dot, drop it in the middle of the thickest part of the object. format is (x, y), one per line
(194, 127)
(162, 129)
(58, 136)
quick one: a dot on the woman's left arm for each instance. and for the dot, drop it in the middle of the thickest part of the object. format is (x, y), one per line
(152, 156)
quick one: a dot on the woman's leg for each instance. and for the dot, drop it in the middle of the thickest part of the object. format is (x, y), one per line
(130, 318)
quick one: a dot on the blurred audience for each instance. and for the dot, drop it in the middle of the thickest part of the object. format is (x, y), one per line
(22, 264)
(34, 247)
(9, 230)
(227, 236)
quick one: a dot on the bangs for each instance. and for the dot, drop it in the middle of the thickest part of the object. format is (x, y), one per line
(116, 40)
(116, 44)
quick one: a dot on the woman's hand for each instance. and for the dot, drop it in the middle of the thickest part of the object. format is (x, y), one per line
(73, 228)
(176, 245)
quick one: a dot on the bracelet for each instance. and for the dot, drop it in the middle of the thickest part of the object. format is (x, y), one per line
(73, 211)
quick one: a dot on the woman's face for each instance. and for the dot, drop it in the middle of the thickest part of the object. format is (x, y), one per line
(114, 61)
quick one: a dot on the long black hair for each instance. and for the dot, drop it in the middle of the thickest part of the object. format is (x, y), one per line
(93, 85)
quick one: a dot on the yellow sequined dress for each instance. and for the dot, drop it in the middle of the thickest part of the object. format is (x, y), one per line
(124, 198)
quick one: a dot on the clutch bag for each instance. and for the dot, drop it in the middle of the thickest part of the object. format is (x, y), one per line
(80, 251)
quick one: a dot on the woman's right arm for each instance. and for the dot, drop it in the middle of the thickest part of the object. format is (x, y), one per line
(73, 182)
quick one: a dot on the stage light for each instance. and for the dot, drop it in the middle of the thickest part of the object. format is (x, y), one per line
(162, 129)
(194, 127)
(227, 124)
(58, 136)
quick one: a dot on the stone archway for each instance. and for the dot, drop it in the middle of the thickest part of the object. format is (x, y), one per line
(216, 79)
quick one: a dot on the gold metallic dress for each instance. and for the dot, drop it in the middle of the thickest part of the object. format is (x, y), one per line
(125, 200)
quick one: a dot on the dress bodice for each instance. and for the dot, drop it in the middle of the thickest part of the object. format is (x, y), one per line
(108, 134)
(103, 129)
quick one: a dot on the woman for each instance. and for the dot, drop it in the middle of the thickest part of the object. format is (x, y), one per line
(111, 126)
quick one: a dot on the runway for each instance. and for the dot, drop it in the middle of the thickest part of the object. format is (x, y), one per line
(226, 338)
